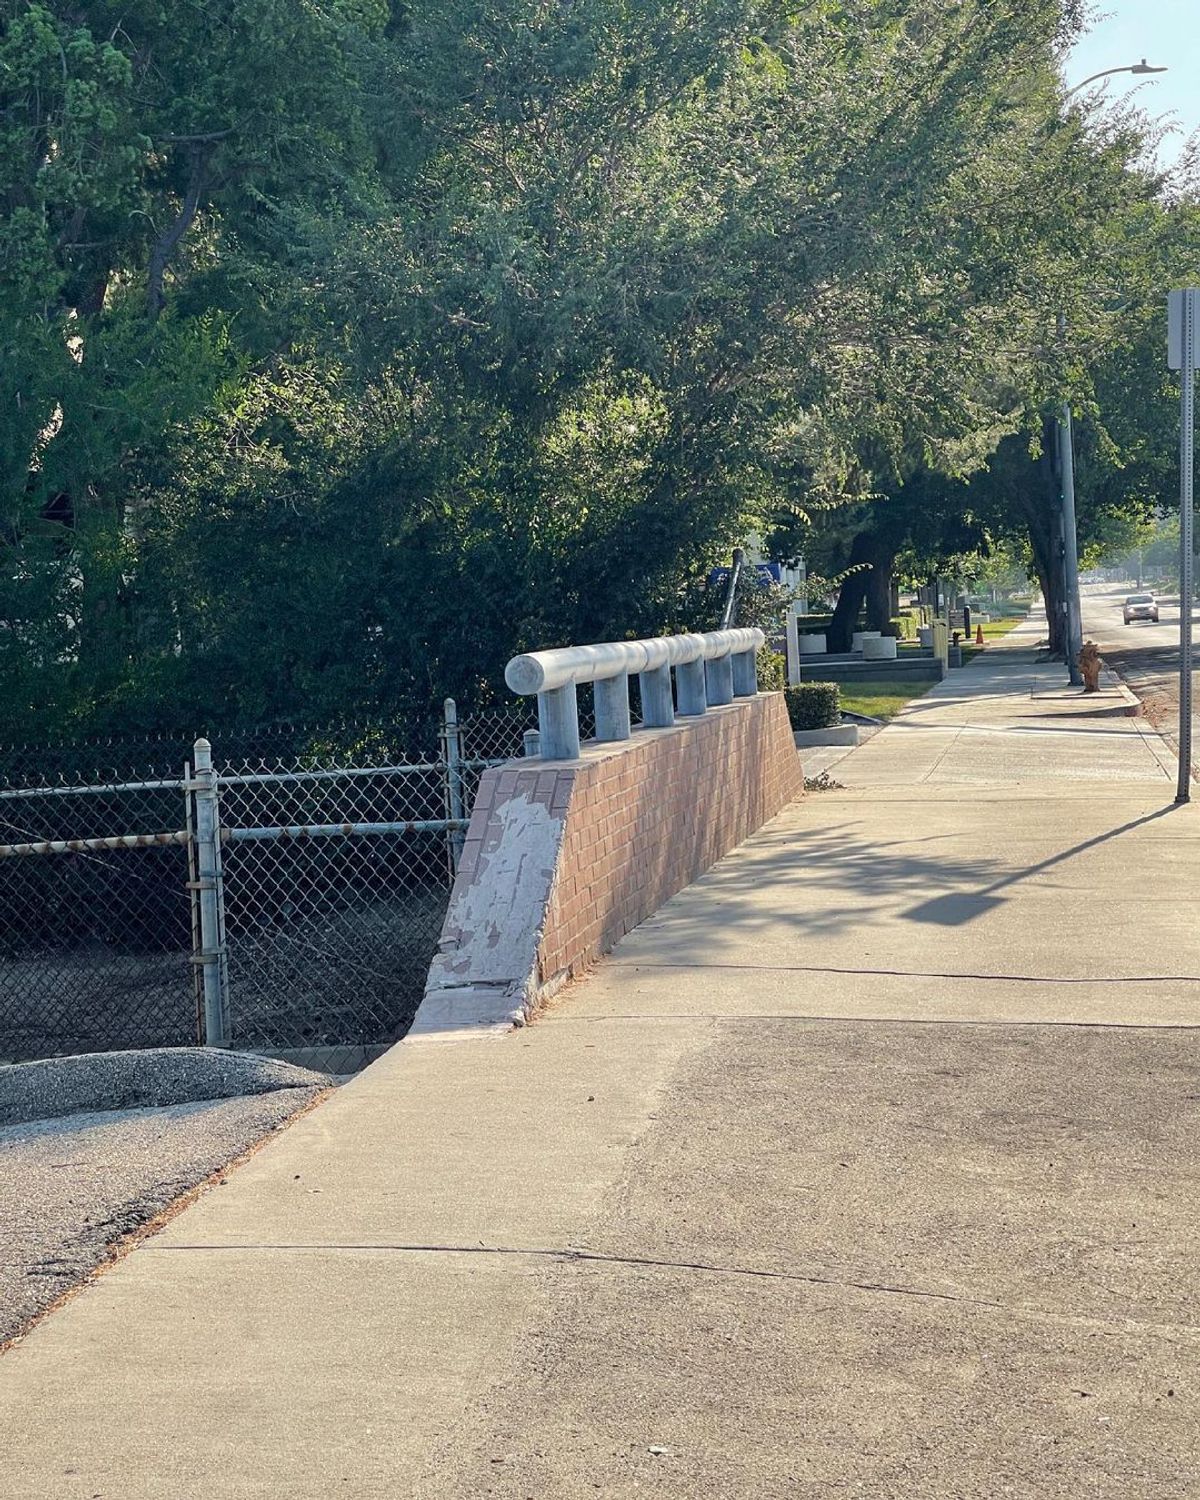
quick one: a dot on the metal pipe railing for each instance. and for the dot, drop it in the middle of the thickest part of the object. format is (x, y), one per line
(710, 669)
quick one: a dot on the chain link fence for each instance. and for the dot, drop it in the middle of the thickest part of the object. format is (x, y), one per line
(95, 942)
(290, 904)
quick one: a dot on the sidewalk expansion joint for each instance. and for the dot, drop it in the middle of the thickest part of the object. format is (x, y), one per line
(573, 1254)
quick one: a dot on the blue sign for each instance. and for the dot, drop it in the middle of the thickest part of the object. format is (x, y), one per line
(766, 574)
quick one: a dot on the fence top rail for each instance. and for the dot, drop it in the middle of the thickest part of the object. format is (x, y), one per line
(297, 832)
(99, 790)
(324, 773)
(543, 671)
(95, 846)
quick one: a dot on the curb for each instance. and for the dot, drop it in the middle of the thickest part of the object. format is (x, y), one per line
(1133, 704)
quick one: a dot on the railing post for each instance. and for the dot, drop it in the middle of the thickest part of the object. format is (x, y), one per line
(452, 743)
(558, 723)
(745, 674)
(211, 956)
(718, 680)
(658, 705)
(689, 689)
(611, 698)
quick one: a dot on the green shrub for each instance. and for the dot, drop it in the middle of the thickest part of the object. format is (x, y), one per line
(813, 705)
(771, 671)
(904, 625)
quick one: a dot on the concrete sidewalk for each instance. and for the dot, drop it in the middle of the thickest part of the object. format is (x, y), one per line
(867, 1166)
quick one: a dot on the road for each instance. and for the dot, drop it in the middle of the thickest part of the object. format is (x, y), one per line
(1146, 655)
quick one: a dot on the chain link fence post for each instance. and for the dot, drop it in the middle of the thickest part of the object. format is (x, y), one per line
(211, 955)
(193, 890)
(452, 754)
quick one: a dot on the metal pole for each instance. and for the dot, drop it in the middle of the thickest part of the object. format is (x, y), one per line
(452, 738)
(1074, 621)
(211, 958)
(1187, 417)
(735, 578)
(193, 889)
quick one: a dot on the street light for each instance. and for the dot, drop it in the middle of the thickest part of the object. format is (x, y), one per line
(1066, 449)
(1140, 68)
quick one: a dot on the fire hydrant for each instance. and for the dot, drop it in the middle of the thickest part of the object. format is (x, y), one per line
(1090, 663)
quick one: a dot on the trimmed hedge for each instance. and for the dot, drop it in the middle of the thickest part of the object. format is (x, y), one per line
(813, 705)
(904, 625)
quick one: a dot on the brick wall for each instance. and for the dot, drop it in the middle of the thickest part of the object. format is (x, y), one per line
(562, 859)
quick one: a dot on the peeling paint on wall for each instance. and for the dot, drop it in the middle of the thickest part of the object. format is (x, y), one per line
(497, 915)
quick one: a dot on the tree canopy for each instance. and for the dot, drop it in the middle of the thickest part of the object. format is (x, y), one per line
(350, 348)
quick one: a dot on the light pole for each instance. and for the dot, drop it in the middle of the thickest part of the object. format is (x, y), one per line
(1066, 451)
(1074, 622)
(1183, 314)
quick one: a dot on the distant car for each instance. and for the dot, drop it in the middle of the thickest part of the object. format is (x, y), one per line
(1141, 607)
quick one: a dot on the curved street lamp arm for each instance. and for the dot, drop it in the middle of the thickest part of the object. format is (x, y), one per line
(1139, 68)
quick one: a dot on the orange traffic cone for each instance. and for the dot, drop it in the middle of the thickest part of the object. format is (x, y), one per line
(979, 635)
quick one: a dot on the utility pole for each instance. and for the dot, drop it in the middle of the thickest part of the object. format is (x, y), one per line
(1073, 623)
(1183, 311)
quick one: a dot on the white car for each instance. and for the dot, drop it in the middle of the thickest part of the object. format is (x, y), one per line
(1141, 607)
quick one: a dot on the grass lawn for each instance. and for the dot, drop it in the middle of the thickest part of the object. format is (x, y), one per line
(883, 700)
(991, 631)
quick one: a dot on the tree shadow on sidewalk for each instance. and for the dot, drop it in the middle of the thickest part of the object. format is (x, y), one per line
(956, 908)
(754, 892)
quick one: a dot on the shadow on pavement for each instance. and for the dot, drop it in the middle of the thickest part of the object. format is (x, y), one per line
(956, 909)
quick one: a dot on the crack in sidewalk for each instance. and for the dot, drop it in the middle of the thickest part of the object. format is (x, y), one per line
(571, 1254)
(630, 963)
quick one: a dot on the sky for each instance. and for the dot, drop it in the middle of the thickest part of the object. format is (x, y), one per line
(1167, 34)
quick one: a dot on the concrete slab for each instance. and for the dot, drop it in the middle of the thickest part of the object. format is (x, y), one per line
(518, 1148)
(923, 884)
(975, 1297)
(253, 1375)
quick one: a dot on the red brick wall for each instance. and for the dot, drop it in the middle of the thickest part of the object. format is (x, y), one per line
(563, 858)
(648, 816)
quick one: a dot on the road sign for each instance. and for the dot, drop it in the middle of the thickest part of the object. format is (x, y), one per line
(1183, 312)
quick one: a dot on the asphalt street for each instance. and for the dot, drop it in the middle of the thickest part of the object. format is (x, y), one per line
(1145, 655)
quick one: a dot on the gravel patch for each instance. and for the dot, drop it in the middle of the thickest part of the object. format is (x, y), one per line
(157, 1077)
(72, 1187)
